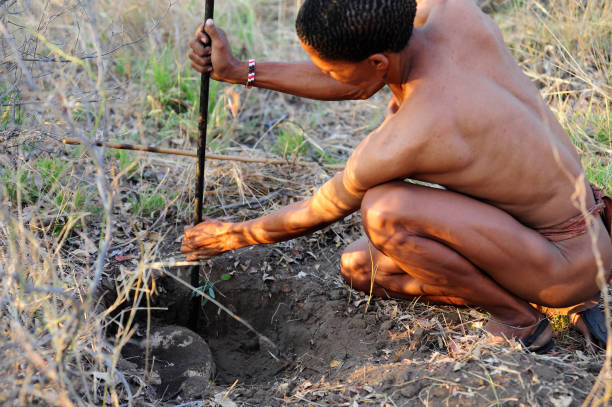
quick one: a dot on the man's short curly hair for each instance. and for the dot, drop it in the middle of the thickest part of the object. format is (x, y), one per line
(352, 30)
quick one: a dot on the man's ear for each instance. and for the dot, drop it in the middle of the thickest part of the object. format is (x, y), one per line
(380, 62)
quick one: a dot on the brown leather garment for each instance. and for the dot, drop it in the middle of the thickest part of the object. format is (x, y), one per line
(576, 225)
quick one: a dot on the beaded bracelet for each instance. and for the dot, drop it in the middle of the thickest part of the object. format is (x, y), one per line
(251, 76)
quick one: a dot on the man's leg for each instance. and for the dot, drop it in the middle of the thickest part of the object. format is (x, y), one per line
(449, 248)
(453, 281)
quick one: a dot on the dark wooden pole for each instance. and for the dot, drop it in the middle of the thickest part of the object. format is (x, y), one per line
(197, 213)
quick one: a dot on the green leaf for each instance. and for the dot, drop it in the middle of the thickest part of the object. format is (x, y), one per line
(226, 277)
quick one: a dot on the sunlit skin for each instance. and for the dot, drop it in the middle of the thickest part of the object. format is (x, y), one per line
(464, 116)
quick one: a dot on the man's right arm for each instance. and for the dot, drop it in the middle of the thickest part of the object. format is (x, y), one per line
(299, 79)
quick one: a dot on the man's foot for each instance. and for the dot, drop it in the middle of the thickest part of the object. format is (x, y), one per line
(536, 337)
(585, 317)
(529, 341)
(591, 323)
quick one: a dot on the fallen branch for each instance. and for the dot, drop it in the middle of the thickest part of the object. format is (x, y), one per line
(172, 151)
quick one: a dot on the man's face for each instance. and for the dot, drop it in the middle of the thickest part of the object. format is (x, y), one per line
(360, 74)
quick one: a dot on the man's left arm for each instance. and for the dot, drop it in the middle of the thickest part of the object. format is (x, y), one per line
(333, 201)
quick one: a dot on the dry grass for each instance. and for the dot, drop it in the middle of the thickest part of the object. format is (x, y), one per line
(98, 71)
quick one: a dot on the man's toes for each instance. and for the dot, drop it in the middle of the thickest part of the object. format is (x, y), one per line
(578, 323)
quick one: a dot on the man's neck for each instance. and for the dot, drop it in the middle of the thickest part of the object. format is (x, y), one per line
(402, 63)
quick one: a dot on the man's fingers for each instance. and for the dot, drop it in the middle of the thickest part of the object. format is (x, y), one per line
(198, 60)
(201, 69)
(198, 48)
(197, 256)
(210, 29)
(202, 38)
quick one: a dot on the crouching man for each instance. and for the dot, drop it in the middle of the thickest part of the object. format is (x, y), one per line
(516, 229)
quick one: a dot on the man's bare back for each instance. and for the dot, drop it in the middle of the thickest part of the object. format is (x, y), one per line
(463, 116)
(497, 138)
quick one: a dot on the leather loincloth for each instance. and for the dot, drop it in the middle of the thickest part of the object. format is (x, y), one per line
(576, 226)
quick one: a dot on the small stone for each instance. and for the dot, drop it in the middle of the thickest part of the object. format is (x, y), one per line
(410, 390)
(406, 355)
(418, 334)
(282, 388)
(387, 325)
(370, 319)
(336, 294)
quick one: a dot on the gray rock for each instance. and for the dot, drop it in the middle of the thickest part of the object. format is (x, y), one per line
(183, 361)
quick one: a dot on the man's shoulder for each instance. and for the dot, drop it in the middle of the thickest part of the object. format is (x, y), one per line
(397, 148)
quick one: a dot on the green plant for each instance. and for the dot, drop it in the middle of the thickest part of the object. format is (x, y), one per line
(291, 142)
(172, 88)
(10, 110)
(208, 288)
(148, 203)
(17, 186)
(73, 200)
(127, 162)
(34, 181)
(50, 169)
(559, 323)
(241, 24)
(80, 113)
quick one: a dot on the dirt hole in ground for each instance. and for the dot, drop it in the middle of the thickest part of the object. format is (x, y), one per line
(319, 326)
(240, 353)
(310, 326)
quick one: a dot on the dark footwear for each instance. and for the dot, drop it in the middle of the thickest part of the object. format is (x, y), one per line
(528, 341)
(595, 321)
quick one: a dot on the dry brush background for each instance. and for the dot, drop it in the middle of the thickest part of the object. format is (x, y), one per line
(103, 70)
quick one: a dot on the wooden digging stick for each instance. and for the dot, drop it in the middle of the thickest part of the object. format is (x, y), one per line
(194, 314)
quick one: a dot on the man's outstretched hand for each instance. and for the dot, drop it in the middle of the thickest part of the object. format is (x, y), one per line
(207, 239)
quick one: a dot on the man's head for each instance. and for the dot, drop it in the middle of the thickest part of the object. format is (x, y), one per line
(351, 31)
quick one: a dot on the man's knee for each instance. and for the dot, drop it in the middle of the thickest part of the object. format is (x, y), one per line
(374, 212)
(383, 217)
(352, 260)
(353, 266)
